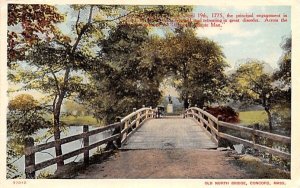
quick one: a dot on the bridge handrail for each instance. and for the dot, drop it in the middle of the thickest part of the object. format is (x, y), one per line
(135, 113)
(213, 126)
(276, 137)
(131, 126)
(123, 129)
(205, 113)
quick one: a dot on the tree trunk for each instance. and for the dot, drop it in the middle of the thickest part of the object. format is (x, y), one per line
(63, 90)
(56, 117)
(269, 118)
(58, 150)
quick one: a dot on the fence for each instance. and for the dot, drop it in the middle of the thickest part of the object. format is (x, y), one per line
(216, 130)
(125, 128)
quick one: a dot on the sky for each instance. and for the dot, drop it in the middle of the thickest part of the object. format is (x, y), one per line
(238, 40)
(248, 40)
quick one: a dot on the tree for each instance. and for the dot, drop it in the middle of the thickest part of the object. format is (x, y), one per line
(25, 117)
(283, 75)
(26, 24)
(53, 60)
(130, 80)
(284, 72)
(197, 66)
(128, 75)
(252, 85)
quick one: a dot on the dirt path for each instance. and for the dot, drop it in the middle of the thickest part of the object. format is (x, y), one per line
(175, 163)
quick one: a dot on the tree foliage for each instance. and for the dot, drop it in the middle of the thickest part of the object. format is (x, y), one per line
(197, 65)
(284, 72)
(254, 86)
(30, 22)
(282, 77)
(126, 80)
(25, 117)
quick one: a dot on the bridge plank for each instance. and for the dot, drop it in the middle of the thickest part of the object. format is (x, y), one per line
(169, 134)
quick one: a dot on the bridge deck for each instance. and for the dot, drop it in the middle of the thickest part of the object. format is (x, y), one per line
(168, 134)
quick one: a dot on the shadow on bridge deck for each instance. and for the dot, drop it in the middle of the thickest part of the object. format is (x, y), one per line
(170, 133)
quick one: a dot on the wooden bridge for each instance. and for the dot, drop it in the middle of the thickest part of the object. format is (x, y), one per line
(188, 138)
(170, 133)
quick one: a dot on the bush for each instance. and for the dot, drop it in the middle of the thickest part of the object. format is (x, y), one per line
(227, 113)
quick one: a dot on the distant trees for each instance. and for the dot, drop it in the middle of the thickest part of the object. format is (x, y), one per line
(75, 109)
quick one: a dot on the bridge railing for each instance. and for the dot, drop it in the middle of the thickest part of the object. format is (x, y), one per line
(126, 127)
(133, 121)
(216, 129)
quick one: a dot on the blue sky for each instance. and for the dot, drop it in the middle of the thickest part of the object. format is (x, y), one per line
(249, 40)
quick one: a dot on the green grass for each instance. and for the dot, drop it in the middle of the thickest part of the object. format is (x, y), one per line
(80, 120)
(251, 117)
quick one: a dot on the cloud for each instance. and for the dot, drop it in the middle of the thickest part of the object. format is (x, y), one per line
(232, 43)
(272, 58)
(233, 29)
(236, 7)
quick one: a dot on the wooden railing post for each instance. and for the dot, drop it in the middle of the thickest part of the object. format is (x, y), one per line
(193, 113)
(147, 114)
(126, 130)
(186, 111)
(201, 122)
(86, 154)
(212, 125)
(138, 116)
(29, 159)
(218, 129)
(254, 136)
(197, 117)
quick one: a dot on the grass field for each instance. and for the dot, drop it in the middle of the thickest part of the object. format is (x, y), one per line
(251, 117)
(80, 120)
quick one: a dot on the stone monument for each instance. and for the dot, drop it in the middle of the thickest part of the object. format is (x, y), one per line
(170, 105)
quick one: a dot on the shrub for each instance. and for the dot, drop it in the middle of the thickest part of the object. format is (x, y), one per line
(227, 113)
